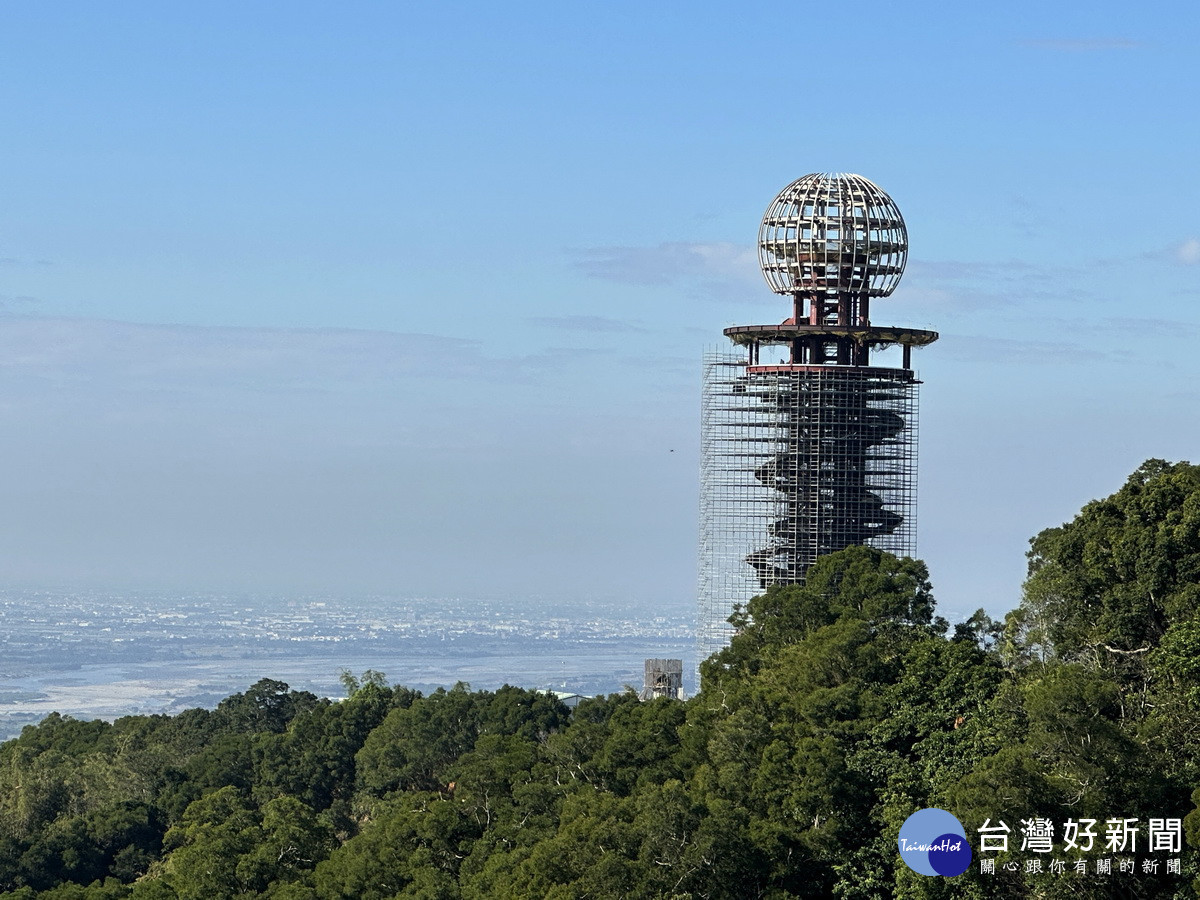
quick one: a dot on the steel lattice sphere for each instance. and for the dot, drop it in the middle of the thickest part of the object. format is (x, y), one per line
(830, 234)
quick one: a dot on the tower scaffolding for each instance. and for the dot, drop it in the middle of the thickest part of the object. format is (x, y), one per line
(818, 453)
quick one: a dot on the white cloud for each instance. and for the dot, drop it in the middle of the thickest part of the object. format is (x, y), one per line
(227, 361)
(1085, 45)
(1188, 252)
(721, 268)
(728, 260)
(588, 324)
(970, 285)
(10, 303)
(990, 349)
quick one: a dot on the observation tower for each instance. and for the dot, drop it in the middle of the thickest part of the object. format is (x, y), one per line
(807, 447)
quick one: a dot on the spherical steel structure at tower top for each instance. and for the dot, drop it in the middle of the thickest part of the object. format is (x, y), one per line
(828, 234)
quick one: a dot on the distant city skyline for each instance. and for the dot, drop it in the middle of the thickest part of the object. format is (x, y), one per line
(412, 299)
(103, 654)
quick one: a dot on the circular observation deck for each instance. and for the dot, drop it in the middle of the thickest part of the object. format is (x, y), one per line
(876, 336)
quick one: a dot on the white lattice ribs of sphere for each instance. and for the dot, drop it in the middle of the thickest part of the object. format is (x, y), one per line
(831, 234)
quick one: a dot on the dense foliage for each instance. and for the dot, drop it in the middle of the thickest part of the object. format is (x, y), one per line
(841, 707)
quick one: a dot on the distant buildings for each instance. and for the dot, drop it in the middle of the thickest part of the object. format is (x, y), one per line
(567, 699)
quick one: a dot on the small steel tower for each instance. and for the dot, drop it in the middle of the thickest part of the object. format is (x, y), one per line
(818, 451)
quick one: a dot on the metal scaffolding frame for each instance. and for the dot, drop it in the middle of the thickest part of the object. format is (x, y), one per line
(819, 452)
(797, 462)
(663, 678)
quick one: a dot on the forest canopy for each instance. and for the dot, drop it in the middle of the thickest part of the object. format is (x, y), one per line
(840, 707)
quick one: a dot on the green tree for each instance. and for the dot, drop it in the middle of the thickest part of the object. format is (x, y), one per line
(293, 842)
(1105, 587)
(208, 844)
(314, 759)
(414, 847)
(267, 705)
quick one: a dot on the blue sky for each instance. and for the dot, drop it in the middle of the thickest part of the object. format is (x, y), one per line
(410, 298)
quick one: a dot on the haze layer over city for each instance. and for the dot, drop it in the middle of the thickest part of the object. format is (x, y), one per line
(93, 654)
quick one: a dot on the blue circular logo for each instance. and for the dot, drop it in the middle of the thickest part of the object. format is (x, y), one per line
(933, 842)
